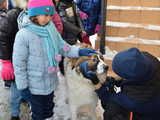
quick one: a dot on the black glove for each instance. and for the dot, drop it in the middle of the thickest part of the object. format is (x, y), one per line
(110, 79)
(88, 74)
(114, 81)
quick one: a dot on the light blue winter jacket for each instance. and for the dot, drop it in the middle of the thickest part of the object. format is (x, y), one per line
(30, 60)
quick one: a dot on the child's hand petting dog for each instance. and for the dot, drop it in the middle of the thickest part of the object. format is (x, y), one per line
(86, 52)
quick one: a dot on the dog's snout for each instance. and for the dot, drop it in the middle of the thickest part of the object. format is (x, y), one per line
(105, 67)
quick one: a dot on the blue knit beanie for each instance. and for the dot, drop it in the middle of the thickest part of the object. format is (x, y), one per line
(40, 7)
(132, 64)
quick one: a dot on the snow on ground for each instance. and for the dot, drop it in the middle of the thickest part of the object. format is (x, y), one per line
(4, 100)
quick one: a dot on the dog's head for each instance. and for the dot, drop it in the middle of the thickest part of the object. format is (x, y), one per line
(95, 64)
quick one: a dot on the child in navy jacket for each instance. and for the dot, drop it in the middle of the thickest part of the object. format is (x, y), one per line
(139, 83)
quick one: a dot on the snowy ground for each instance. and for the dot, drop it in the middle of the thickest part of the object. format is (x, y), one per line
(4, 100)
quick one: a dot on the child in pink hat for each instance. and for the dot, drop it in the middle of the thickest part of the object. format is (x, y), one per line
(40, 7)
(37, 51)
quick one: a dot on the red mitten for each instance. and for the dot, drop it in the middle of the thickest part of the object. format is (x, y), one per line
(85, 38)
(7, 72)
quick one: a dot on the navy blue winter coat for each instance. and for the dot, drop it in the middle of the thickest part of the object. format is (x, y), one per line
(93, 9)
(140, 97)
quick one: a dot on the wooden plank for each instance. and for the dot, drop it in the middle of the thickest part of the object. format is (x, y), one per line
(113, 2)
(150, 17)
(130, 16)
(112, 31)
(134, 16)
(144, 3)
(154, 49)
(134, 32)
(149, 34)
(125, 32)
(130, 2)
(113, 15)
(150, 3)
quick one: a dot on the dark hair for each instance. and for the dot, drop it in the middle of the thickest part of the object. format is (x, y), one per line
(34, 20)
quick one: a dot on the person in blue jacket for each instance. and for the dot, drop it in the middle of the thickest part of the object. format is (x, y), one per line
(90, 12)
(139, 81)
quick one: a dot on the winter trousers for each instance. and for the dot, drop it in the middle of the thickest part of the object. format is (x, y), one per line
(15, 100)
(42, 106)
(115, 112)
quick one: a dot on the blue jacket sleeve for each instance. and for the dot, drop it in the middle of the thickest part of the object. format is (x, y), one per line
(66, 49)
(103, 94)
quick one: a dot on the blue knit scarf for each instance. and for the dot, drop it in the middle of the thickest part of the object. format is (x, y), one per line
(48, 34)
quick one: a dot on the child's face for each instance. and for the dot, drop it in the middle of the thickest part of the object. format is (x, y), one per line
(44, 19)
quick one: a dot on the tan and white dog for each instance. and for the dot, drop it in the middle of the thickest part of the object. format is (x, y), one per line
(81, 95)
(82, 98)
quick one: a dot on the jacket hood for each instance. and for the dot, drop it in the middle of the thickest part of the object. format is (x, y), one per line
(132, 64)
(23, 20)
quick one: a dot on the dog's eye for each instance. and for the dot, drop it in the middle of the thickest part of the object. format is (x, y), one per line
(95, 60)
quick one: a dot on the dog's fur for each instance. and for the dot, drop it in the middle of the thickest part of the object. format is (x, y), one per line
(81, 93)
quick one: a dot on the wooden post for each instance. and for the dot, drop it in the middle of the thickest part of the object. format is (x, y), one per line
(103, 26)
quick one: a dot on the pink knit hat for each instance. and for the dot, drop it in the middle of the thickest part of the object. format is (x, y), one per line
(40, 7)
